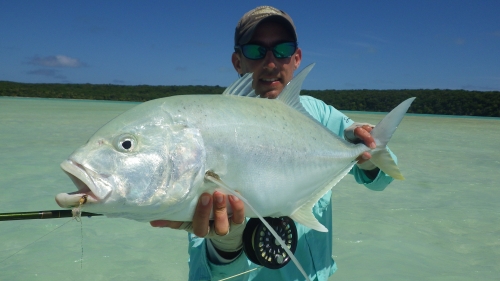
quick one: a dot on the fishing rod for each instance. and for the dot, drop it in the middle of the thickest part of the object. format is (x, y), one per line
(37, 215)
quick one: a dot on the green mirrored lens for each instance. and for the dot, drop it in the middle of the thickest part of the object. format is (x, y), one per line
(254, 52)
(284, 50)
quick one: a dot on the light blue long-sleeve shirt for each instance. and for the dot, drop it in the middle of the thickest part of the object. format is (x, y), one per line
(314, 248)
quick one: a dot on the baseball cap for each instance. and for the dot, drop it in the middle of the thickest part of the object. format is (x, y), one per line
(249, 22)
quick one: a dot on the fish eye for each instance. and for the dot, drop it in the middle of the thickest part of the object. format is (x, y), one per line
(125, 143)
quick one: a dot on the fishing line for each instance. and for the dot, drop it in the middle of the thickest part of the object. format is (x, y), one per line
(209, 175)
(35, 241)
(81, 243)
(239, 274)
(77, 215)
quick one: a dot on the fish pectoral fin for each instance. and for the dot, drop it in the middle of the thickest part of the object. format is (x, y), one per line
(306, 217)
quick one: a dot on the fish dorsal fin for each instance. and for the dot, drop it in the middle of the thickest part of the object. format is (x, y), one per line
(291, 93)
(241, 87)
(304, 214)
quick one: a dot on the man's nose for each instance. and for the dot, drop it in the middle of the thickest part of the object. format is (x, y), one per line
(269, 60)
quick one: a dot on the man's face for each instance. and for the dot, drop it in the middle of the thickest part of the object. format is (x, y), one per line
(270, 75)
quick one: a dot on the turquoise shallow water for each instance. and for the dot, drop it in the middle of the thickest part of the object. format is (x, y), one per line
(441, 223)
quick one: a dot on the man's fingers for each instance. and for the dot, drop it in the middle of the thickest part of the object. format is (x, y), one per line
(363, 133)
(201, 223)
(364, 157)
(368, 128)
(238, 209)
(221, 223)
(165, 223)
(202, 215)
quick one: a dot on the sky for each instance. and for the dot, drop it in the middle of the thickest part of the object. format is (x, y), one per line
(356, 44)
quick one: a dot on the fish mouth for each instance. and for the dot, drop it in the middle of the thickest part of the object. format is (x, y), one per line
(84, 183)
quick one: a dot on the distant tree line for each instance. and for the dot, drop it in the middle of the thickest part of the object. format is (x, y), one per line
(138, 93)
(447, 102)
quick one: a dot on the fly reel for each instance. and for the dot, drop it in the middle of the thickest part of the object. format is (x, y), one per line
(262, 248)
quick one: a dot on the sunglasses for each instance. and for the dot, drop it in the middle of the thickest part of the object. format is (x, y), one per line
(257, 52)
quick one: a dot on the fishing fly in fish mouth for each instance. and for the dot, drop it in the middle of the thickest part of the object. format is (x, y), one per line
(77, 211)
(161, 161)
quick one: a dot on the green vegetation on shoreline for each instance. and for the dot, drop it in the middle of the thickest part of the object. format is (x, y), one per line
(446, 102)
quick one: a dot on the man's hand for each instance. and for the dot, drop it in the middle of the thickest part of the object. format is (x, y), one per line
(360, 133)
(224, 232)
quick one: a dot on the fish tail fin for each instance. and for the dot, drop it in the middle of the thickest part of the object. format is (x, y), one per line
(384, 161)
(382, 133)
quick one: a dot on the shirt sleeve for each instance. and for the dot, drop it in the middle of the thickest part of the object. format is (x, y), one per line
(200, 267)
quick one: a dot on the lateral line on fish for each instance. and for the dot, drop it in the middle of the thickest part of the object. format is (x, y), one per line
(213, 177)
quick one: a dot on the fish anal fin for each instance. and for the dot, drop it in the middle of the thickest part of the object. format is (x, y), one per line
(304, 215)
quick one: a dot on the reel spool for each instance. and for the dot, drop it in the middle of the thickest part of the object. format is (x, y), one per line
(261, 247)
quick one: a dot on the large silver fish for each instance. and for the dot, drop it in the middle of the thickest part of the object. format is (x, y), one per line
(155, 160)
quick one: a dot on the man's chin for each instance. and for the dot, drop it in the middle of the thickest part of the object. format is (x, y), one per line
(272, 94)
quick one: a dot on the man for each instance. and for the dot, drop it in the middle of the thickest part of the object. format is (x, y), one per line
(266, 45)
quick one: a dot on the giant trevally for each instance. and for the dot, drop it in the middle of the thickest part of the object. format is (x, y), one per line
(149, 163)
(154, 161)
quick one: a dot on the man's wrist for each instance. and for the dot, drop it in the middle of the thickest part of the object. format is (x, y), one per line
(372, 174)
(228, 255)
(217, 256)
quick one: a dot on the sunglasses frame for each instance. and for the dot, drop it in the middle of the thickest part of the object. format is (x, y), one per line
(272, 49)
